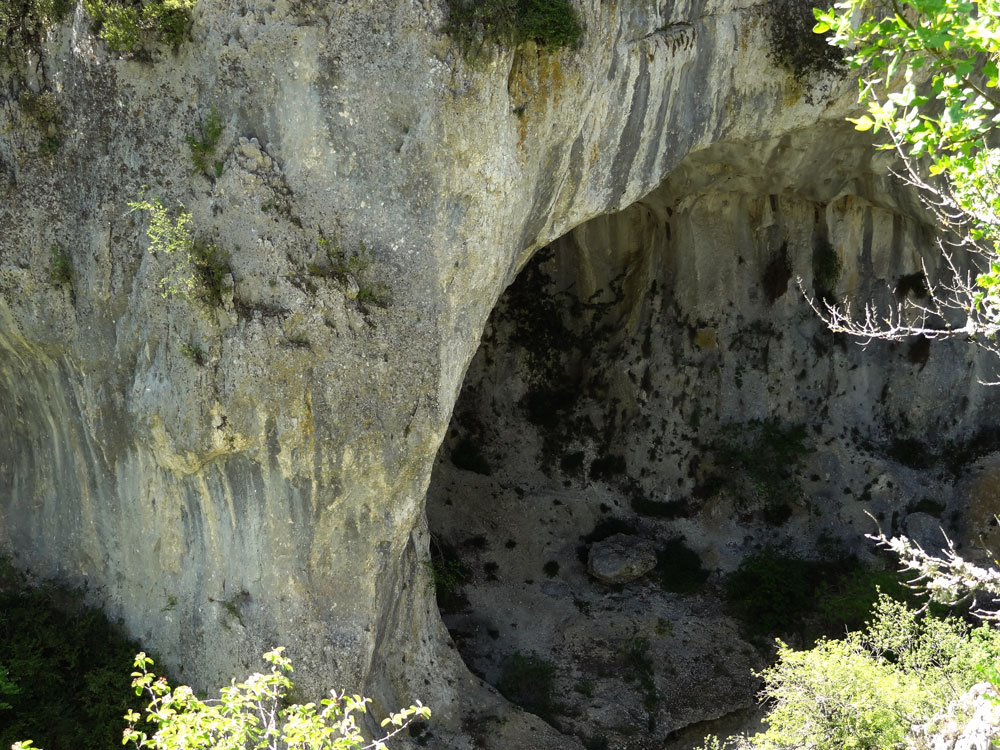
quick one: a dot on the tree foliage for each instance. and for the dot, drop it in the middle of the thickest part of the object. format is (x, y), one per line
(865, 691)
(61, 676)
(929, 78)
(250, 714)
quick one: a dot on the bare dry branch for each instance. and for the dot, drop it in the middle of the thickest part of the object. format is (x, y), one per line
(946, 578)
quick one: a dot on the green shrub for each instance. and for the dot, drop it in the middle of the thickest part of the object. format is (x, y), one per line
(211, 267)
(761, 458)
(528, 681)
(126, 26)
(447, 576)
(848, 591)
(45, 111)
(203, 147)
(549, 23)
(196, 270)
(772, 593)
(61, 270)
(62, 671)
(865, 691)
(197, 355)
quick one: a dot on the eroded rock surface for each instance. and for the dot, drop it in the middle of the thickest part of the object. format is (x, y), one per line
(659, 372)
(262, 460)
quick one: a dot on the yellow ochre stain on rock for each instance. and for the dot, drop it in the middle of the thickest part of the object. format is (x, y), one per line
(534, 82)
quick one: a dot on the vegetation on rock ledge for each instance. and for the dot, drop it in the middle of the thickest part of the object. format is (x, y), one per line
(548, 23)
(126, 26)
(24, 22)
(792, 43)
(197, 269)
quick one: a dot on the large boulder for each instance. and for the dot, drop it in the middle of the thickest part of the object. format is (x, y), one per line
(620, 558)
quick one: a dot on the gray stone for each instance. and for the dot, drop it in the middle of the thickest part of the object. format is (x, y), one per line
(285, 477)
(620, 559)
(926, 530)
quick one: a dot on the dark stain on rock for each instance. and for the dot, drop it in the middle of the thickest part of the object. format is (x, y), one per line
(632, 134)
(777, 274)
(919, 351)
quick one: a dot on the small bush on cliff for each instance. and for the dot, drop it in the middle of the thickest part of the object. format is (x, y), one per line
(204, 144)
(758, 461)
(528, 682)
(44, 112)
(774, 593)
(792, 43)
(548, 23)
(196, 270)
(126, 26)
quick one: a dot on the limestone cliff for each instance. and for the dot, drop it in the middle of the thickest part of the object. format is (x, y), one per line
(251, 470)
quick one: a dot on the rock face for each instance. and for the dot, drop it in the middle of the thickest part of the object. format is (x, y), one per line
(657, 372)
(232, 471)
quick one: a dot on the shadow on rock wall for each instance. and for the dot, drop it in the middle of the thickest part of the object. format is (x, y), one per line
(657, 423)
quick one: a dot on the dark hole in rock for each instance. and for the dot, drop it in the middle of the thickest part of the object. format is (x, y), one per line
(643, 382)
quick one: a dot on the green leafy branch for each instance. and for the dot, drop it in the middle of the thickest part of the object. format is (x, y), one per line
(929, 82)
(250, 714)
(197, 270)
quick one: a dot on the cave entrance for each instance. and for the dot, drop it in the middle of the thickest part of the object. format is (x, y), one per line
(572, 435)
(652, 402)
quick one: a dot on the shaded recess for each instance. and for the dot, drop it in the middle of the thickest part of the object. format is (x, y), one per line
(657, 374)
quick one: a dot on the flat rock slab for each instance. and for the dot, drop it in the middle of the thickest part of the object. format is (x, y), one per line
(621, 558)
